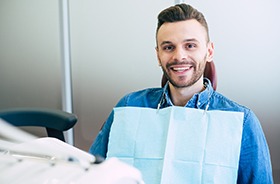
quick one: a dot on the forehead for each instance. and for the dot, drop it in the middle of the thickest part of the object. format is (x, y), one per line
(181, 30)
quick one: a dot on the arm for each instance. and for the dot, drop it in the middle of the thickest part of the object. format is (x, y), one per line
(254, 163)
(100, 145)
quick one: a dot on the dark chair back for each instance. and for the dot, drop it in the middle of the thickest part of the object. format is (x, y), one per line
(55, 121)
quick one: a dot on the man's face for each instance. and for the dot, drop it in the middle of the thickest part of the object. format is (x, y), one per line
(182, 51)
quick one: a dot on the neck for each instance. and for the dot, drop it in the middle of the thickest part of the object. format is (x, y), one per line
(181, 96)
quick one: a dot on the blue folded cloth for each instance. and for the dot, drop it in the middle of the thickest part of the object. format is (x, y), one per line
(178, 144)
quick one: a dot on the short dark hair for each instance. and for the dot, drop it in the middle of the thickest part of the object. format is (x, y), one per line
(181, 12)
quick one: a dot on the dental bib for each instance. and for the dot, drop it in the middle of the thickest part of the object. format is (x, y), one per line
(177, 144)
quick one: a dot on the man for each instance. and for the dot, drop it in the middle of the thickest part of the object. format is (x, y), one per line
(183, 49)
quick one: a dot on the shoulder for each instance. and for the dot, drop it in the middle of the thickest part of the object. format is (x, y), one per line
(141, 98)
(221, 102)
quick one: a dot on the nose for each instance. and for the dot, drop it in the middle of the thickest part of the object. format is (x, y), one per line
(180, 54)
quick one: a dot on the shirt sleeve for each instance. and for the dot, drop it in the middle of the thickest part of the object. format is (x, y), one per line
(254, 163)
(100, 144)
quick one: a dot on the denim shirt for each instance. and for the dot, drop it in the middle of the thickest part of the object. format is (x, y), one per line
(254, 163)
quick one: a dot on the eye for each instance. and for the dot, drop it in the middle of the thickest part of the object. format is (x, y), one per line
(168, 48)
(190, 46)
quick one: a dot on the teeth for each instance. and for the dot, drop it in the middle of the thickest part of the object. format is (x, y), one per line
(181, 69)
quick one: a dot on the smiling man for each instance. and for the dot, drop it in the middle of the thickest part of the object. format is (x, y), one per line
(183, 48)
(219, 141)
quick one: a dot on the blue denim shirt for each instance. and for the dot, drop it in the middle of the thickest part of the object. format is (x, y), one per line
(254, 163)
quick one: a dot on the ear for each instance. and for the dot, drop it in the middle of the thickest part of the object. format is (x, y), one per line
(157, 52)
(210, 52)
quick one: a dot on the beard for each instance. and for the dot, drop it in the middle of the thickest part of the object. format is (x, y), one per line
(197, 74)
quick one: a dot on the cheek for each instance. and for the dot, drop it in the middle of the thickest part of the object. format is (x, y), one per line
(201, 56)
(163, 58)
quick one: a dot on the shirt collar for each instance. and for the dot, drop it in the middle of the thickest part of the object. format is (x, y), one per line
(199, 100)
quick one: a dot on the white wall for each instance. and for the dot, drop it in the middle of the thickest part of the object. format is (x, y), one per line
(113, 54)
(29, 53)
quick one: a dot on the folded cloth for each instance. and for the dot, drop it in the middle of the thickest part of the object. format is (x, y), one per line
(178, 144)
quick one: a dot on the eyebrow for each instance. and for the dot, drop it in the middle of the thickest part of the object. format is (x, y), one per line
(186, 40)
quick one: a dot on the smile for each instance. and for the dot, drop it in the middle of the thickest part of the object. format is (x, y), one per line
(181, 68)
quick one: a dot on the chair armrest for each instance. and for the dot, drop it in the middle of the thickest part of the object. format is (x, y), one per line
(43, 117)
